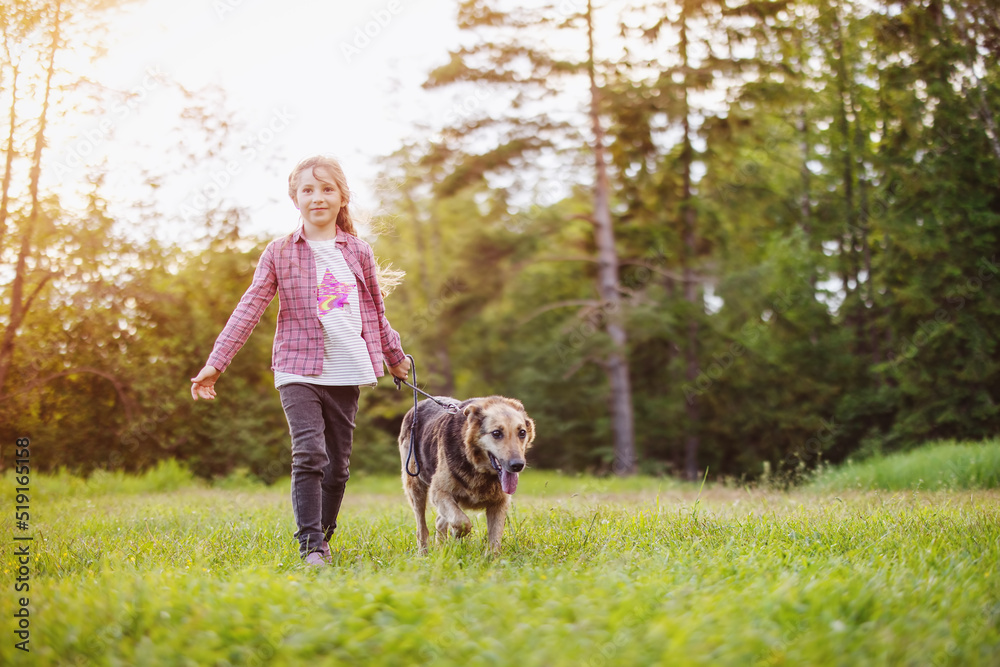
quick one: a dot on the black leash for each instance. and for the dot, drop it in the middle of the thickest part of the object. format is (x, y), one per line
(451, 408)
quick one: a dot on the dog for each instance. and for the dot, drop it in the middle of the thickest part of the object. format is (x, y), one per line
(469, 459)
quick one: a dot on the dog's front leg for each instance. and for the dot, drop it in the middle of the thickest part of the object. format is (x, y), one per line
(496, 517)
(450, 517)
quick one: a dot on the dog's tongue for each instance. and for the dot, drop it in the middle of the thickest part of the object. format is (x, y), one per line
(508, 481)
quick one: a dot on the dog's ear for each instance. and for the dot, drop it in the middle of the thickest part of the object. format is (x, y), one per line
(472, 409)
(514, 403)
(530, 428)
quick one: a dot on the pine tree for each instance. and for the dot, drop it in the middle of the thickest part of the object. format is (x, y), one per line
(531, 72)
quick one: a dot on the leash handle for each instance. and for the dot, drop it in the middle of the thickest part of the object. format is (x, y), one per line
(411, 453)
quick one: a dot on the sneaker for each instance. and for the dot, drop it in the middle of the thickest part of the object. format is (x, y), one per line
(318, 558)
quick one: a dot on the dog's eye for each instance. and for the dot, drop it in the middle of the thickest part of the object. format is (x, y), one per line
(497, 434)
(522, 434)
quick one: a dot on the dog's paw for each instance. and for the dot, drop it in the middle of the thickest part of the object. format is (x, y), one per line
(458, 528)
(461, 528)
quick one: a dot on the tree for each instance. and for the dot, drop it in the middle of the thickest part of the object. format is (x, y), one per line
(34, 36)
(530, 71)
(608, 284)
(664, 86)
(940, 366)
(20, 302)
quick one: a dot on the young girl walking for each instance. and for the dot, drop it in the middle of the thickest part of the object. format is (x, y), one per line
(332, 337)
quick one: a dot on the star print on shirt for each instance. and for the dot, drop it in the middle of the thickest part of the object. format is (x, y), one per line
(331, 294)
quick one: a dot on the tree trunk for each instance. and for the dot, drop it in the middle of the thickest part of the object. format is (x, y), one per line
(440, 363)
(849, 260)
(691, 294)
(9, 164)
(805, 205)
(866, 302)
(616, 363)
(19, 305)
(420, 245)
(986, 112)
(973, 45)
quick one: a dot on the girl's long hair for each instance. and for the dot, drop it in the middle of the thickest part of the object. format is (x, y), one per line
(388, 278)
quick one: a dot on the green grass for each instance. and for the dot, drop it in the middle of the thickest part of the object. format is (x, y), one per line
(168, 475)
(939, 466)
(592, 572)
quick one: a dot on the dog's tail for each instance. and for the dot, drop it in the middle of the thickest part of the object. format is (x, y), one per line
(407, 448)
(404, 430)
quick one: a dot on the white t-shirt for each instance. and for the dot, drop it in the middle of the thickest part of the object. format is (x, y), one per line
(346, 361)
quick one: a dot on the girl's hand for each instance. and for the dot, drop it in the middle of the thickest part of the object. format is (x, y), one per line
(203, 384)
(402, 369)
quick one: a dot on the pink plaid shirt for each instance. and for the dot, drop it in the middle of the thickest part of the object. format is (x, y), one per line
(288, 268)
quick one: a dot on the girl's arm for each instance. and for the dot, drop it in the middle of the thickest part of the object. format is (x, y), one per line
(241, 323)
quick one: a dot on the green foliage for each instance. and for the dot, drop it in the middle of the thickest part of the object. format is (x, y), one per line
(167, 475)
(847, 288)
(948, 466)
(592, 571)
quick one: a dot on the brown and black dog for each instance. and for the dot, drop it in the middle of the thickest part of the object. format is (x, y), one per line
(468, 460)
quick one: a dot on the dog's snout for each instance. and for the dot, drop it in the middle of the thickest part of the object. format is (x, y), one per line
(516, 465)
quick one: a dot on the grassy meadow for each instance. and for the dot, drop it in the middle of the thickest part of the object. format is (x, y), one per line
(164, 570)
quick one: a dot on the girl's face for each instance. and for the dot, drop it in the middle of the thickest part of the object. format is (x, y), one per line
(318, 198)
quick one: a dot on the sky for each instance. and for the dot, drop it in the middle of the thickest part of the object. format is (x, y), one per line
(307, 77)
(301, 78)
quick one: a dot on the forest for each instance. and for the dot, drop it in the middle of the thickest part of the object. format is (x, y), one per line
(733, 239)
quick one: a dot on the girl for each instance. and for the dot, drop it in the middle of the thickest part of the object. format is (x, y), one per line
(332, 336)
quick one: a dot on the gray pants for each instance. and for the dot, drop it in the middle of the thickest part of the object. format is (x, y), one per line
(321, 423)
